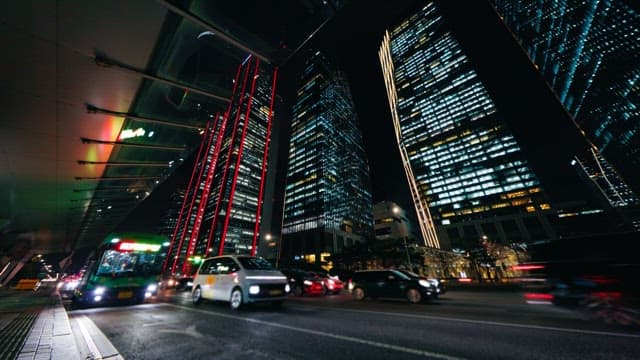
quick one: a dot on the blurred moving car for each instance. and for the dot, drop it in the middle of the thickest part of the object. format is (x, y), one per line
(331, 284)
(67, 286)
(304, 282)
(439, 287)
(390, 283)
(184, 283)
(239, 280)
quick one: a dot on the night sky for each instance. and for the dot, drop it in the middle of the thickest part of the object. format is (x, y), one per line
(352, 38)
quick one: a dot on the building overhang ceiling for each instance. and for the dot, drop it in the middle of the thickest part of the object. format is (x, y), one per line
(103, 100)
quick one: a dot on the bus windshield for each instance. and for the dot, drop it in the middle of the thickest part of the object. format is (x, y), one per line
(118, 263)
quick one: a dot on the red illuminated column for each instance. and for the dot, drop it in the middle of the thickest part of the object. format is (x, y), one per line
(264, 164)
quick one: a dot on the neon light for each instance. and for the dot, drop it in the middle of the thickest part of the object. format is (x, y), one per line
(239, 157)
(184, 203)
(131, 246)
(527, 267)
(228, 162)
(193, 199)
(130, 133)
(222, 130)
(205, 196)
(538, 296)
(264, 164)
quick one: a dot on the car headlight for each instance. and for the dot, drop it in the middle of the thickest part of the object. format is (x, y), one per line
(424, 283)
(254, 289)
(152, 287)
(99, 291)
(308, 282)
(287, 288)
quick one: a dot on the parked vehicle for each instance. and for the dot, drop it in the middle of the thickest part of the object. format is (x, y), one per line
(304, 282)
(390, 284)
(239, 280)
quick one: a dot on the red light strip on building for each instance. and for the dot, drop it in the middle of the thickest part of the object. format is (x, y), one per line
(186, 266)
(216, 213)
(264, 164)
(227, 218)
(193, 200)
(184, 202)
(219, 140)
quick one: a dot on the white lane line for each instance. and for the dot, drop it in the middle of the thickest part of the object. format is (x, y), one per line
(483, 322)
(87, 338)
(90, 332)
(325, 334)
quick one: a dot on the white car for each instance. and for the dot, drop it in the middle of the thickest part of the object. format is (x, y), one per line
(239, 280)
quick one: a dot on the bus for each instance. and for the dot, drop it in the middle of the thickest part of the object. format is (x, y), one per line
(125, 269)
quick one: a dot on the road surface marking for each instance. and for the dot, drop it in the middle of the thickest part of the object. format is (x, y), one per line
(483, 322)
(87, 338)
(325, 334)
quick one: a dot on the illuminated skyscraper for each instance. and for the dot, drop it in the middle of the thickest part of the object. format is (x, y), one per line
(327, 197)
(222, 208)
(589, 53)
(467, 173)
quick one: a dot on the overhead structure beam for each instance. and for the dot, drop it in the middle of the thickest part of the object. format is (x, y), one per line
(91, 109)
(124, 163)
(219, 32)
(104, 61)
(106, 178)
(144, 146)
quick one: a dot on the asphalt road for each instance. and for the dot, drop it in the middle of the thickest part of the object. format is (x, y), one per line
(460, 325)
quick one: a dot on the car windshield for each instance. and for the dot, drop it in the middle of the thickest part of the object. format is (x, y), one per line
(252, 263)
(410, 274)
(403, 275)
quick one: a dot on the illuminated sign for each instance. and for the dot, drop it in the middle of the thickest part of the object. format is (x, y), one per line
(130, 133)
(130, 246)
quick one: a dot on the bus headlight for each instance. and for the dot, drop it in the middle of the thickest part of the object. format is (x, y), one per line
(99, 291)
(254, 289)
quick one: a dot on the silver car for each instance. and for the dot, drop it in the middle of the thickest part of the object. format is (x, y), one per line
(239, 280)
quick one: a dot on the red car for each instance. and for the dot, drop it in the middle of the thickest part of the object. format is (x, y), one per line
(304, 282)
(332, 284)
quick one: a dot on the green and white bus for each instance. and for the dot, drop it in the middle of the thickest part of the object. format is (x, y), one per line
(125, 269)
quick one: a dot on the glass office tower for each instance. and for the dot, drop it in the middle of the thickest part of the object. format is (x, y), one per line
(466, 172)
(327, 197)
(589, 53)
(222, 208)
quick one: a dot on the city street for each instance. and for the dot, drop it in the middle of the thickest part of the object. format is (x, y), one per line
(460, 325)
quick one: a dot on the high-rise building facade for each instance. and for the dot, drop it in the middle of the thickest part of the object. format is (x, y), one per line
(327, 196)
(222, 207)
(467, 173)
(589, 53)
(390, 221)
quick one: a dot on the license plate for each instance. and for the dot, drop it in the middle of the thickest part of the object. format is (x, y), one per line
(125, 294)
(275, 292)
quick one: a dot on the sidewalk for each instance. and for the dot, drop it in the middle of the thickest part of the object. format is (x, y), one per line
(35, 325)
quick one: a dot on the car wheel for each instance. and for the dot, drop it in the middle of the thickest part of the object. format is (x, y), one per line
(359, 293)
(236, 299)
(298, 291)
(414, 296)
(196, 296)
